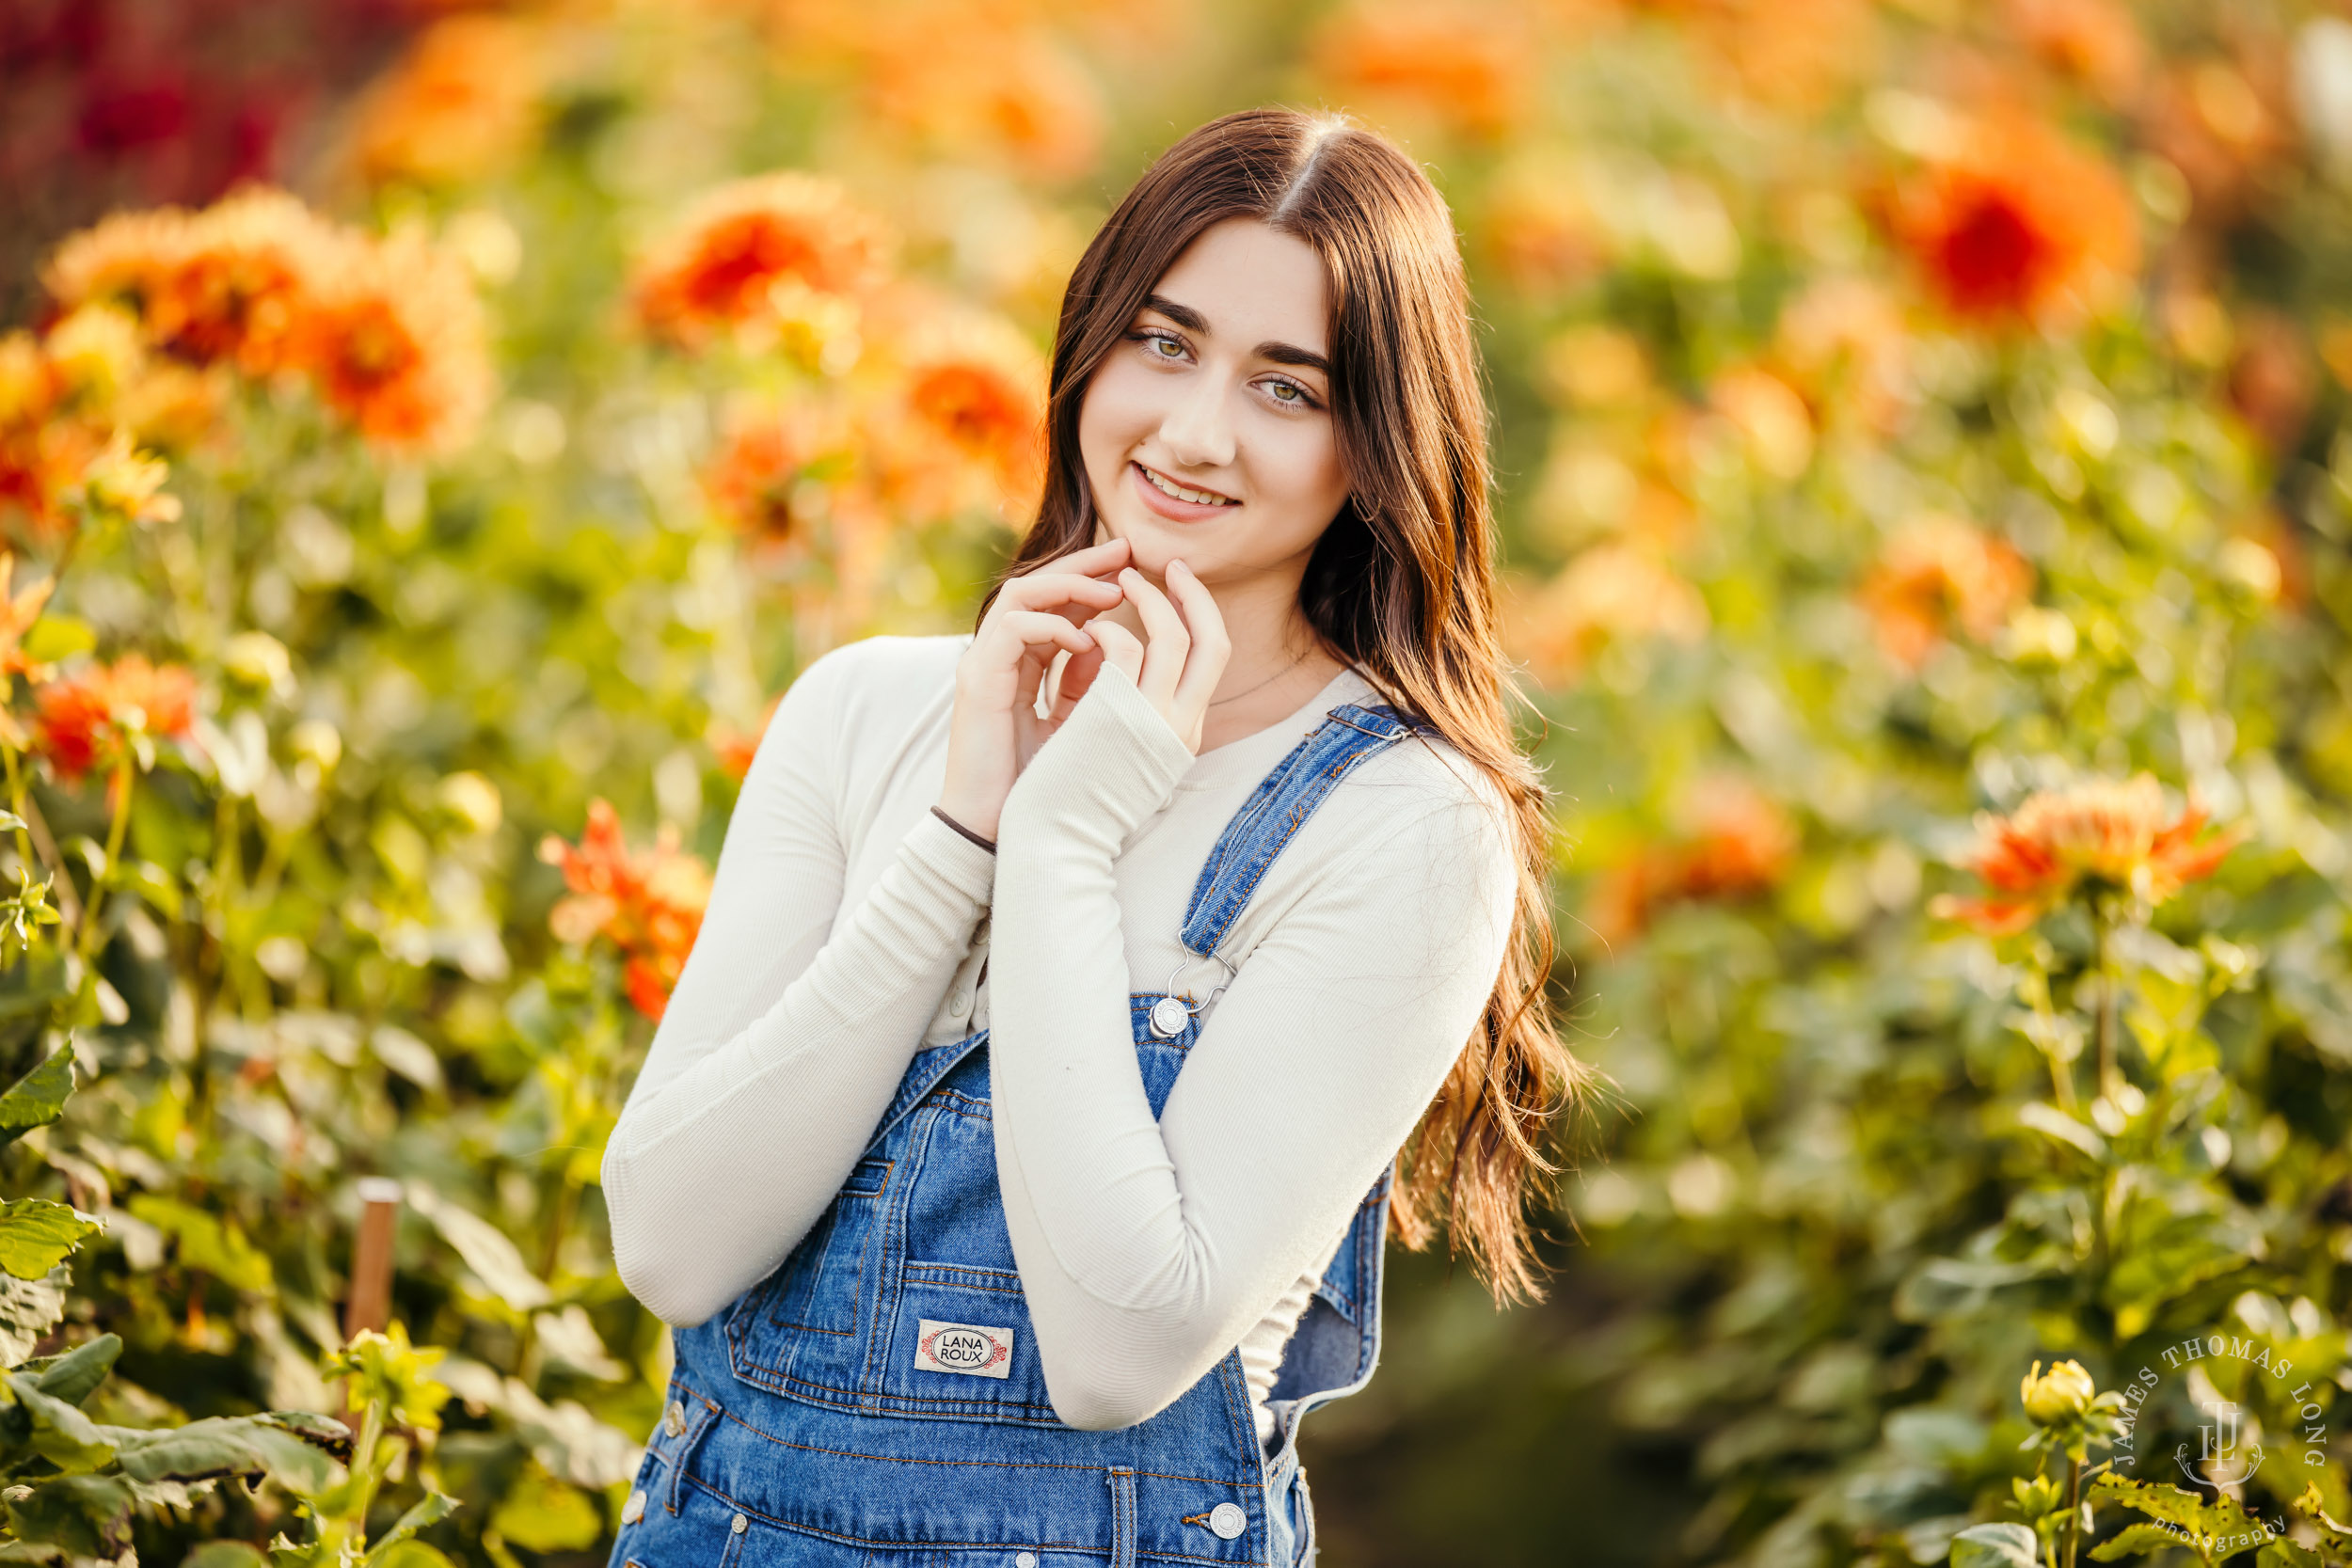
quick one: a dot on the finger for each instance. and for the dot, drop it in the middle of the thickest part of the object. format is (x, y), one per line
(1077, 675)
(1067, 594)
(1119, 647)
(1164, 659)
(1211, 646)
(1096, 561)
(1009, 638)
(1108, 556)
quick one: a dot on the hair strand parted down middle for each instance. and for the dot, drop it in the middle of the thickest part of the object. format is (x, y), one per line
(1408, 594)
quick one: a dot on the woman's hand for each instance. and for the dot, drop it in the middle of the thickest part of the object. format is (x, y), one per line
(1036, 617)
(1178, 670)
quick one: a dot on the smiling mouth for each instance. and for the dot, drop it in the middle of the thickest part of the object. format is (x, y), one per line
(1168, 486)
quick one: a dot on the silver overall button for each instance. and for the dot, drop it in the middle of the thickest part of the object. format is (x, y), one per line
(742, 1524)
(1168, 1017)
(673, 1420)
(634, 1509)
(1227, 1520)
(1025, 1559)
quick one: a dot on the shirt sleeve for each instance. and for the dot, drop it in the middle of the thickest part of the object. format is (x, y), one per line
(781, 1046)
(1147, 1248)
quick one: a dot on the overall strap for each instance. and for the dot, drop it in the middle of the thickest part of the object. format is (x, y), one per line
(1282, 801)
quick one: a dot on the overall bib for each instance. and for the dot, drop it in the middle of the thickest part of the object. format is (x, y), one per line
(877, 1401)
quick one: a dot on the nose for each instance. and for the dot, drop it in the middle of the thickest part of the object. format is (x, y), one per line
(1197, 430)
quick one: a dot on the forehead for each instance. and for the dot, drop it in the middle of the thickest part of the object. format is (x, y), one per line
(1254, 284)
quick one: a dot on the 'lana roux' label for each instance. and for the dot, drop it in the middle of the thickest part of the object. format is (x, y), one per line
(966, 1347)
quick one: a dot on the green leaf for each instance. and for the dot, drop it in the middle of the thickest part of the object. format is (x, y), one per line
(542, 1514)
(224, 1554)
(36, 1099)
(488, 1251)
(2050, 1120)
(2168, 1505)
(52, 1428)
(293, 1446)
(410, 1553)
(28, 1309)
(56, 637)
(432, 1509)
(2283, 1552)
(85, 1515)
(207, 1242)
(75, 1376)
(36, 1235)
(1993, 1546)
(2138, 1540)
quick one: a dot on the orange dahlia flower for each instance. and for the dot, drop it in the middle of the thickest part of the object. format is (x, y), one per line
(396, 343)
(2094, 42)
(978, 388)
(745, 249)
(649, 906)
(459, 102)
(1016, 94)
(1471, 68)
(1609, 591)
(2015, 222)
(2103, 834)
(18, 612)
(767, 453)
(86, 718)
(227, 285)
(1938, 575)
(1741, 843)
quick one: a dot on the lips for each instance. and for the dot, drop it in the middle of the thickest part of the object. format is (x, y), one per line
(1170, 506)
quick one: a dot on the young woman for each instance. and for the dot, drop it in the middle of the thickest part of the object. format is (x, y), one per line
(1015, 1156)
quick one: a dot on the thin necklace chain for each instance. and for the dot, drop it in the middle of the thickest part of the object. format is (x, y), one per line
(1268, 681)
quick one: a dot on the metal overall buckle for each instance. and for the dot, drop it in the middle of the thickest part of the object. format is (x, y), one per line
(1171, 1012)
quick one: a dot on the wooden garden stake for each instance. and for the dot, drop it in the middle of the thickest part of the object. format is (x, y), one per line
(369, 1305)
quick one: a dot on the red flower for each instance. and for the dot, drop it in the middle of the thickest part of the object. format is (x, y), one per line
(87, 716)
(755, 251)
(2102, 833)
(650, 905)
(396, 342)
(2015, 221)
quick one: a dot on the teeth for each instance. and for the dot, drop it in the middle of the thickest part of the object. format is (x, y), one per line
(1199, 498)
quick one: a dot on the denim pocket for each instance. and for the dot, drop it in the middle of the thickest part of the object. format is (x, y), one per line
(824, 1286)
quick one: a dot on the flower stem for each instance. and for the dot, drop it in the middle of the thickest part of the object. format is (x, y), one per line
(2109, 1080)
(2074, 1508)
(116, 827)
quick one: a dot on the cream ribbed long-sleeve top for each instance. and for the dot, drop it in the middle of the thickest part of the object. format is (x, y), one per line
(849, 927)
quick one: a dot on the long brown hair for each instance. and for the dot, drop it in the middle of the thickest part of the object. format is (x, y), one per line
(1400, 583)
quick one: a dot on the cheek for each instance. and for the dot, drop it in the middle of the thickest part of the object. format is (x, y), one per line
(1118, 411)
(1299, 468)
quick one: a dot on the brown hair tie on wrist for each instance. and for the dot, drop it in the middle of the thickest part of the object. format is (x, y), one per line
(987, 844)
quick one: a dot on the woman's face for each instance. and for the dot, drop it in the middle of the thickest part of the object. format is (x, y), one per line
(1222, 392)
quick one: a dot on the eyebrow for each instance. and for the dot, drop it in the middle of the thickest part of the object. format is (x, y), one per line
(1280, 353)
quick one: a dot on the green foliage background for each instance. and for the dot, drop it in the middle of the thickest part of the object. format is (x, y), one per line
(1854, 1175)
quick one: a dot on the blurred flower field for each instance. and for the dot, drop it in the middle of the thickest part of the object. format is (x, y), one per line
(427, 449)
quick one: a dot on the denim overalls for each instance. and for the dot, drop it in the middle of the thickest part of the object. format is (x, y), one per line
(877, 1399)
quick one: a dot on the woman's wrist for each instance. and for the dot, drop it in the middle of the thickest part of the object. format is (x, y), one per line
(984, 842)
